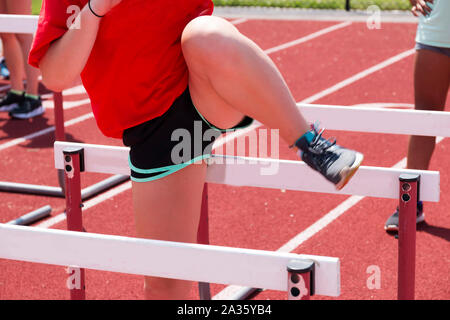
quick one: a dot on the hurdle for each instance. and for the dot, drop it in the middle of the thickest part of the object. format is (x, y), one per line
(214, 264)
(390, 183)
(387, 121)
(27, 24)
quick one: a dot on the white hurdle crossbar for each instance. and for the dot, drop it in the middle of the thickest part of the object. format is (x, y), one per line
(212, 264)
(289, 175)
(17, 23)
(379, 120)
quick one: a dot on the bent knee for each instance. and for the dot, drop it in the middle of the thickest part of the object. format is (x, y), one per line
(208, 36)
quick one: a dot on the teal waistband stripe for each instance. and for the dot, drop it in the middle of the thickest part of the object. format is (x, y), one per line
(159, 176)
(171, 168)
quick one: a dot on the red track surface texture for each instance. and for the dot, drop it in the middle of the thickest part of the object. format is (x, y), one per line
(257, 218)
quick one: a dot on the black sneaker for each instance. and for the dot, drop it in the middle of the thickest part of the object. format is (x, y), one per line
(11, 101)
(335, 163)
(27, 109)
(392, 223)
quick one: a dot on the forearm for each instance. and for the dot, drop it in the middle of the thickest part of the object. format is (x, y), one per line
(67, 56)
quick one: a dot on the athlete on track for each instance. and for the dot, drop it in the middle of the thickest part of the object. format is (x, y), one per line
(179, 66)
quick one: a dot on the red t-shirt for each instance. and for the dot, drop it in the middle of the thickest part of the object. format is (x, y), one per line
(136, 69)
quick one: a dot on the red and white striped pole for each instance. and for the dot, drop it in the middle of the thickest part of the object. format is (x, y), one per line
(409, 195)
(300, 279)
(73, 166)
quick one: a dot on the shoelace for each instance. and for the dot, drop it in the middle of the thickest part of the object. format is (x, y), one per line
(319, 145)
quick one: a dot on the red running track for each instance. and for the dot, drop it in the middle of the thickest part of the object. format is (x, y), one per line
(251, 217)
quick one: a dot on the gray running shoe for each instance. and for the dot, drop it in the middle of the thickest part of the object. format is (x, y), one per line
(334, 162)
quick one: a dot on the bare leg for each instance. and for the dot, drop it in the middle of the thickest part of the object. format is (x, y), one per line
(25, 41)
(231, 76)
(169, 209)
(13, 56)
(431, 84)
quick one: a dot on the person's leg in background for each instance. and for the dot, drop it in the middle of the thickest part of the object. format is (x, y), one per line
(12, 53)
(431, 85)
(25, 41)
(31, 105)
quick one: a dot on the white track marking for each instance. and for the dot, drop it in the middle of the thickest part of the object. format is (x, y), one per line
(69, 92)
(48, 104)
(308, 37)
(239, 21)
(359, 76)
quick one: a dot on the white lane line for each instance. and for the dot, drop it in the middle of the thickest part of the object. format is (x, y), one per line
(239, 21)
(68, 92)
(312, 230)
(308, 37)
(42, 132)
(359, 76)
(49, 104)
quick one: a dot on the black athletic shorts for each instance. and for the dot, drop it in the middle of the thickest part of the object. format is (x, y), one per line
(168, 143)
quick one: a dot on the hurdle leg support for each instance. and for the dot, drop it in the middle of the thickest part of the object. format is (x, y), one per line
(73, 166)
(32, 217)
(60, 134)
(409, 195)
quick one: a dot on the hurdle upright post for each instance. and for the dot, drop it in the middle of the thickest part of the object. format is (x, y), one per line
(73, 166)
(58, 110)
(203, 238)
(409, 195)
(60, 134)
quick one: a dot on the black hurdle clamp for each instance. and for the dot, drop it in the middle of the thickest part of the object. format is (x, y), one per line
(68, 152)
(295, 268)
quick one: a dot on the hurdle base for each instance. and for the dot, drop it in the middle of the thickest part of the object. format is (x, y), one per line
(58, 192)
(32, 217)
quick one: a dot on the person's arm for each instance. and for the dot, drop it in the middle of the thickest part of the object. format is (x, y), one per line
(420, 6)
(67, 56)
